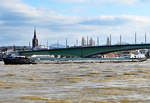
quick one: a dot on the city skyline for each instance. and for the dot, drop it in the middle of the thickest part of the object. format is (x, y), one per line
(73, 19)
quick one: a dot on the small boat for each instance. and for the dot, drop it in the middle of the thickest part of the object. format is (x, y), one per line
(17, 59)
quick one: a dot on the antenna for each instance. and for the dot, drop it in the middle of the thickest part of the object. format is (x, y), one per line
(135, 37)
(66, 43)
(87, 41)
(110, 40)
(47, 45)
(145, 38)
(120, 40)
(97, 41)
(77, 42)
(29, 45)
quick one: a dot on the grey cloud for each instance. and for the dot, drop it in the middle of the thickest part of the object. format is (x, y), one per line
(105, 22)
(13, 18)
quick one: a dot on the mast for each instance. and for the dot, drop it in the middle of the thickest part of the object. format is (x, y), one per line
(66, 43)
(87, 41)
(120, 40)
(110, 40)
(77, 42)
(145, 38)
(135, 37)
(97, 41)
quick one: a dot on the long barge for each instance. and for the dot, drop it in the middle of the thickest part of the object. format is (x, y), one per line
(86, 60)
(14, 59)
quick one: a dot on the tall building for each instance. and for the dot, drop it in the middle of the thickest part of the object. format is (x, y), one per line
(108, 41)
(83, 42)
(34, 40)
(91, 42)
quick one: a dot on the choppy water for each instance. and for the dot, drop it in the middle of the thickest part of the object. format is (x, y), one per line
(75, 83)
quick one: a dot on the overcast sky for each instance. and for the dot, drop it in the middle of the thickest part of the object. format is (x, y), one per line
(72, 19)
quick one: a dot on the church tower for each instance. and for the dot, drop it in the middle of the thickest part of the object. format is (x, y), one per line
(34, 40)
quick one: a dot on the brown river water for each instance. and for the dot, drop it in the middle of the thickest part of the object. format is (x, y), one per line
(75, 83)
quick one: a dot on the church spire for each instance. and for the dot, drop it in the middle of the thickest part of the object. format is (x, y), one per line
(34, 40)
(35, 32)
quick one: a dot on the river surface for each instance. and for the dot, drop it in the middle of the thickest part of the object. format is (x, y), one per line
(75, 83)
